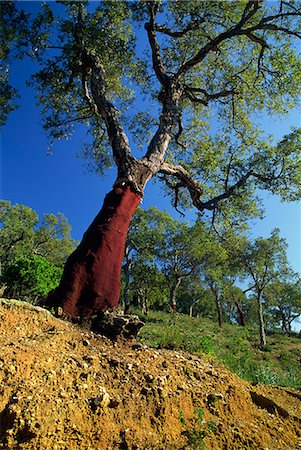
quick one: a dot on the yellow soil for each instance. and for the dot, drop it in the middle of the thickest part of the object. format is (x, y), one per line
(63, 388)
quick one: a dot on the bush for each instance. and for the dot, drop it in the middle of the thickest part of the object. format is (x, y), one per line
(30, 277)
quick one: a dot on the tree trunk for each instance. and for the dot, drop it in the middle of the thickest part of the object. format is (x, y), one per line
(218, 306)
(219, 313)
(91, 278)
(260, 320)
(173, 293)
(240, 314)
(127, 269)
(284, 323)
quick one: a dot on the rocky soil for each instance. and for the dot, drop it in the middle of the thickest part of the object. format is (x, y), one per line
(66, 388)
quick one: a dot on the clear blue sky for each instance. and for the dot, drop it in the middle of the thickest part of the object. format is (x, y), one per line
(59, 183)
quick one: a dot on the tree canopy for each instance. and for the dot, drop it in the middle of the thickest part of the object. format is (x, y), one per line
(190, 96)
(22, 233)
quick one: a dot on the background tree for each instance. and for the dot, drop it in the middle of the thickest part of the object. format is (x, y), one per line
(17, 231)
(30, 277)
(28, 244)
(149, 289)
(195, 300)
(144, 242)
(205, 60)
(284, 298)
(235, 297)
(22, 233)
(179, 257)
(265, 261)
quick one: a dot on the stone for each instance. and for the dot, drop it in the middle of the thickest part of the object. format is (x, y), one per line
(101, 400)
(114, 324)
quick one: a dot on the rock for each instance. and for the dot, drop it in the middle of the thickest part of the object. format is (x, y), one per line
(138, 346)
(213, 400)
(101, 400)
(114, 324)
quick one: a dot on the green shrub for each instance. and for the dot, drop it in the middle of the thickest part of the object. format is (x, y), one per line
(30, 277)
(196, 430)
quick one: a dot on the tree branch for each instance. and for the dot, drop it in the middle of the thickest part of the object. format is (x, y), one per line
(249, 11)
(195, 189)
(97, 99)
(193, 25)
(191, 91)
(158, 66)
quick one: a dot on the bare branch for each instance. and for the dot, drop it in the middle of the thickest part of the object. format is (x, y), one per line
(191, 91)
(97, 99)
(180, 131)
(176, 189)
(195, 189)
(277, 28)
(194, 99)
(193, 25)
(158, 66)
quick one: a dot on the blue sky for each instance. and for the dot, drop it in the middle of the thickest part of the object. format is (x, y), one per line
(60, 183)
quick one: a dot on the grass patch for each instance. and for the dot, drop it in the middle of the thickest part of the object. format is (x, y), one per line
(234, 346)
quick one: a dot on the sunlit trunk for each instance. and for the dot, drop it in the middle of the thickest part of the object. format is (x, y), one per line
(173, 294)
(91, 278)
(261, 320)
(127, 268)
(218, 306)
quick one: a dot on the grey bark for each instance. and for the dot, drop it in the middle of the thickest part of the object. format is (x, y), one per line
(261, 319)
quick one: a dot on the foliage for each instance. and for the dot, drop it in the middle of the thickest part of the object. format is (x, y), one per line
(22, 234)
(197, 429)
(32, 251)
(284, 299)
(203, 63)
(13, 29)
(265, 261)
(30, 277)
(148, 287)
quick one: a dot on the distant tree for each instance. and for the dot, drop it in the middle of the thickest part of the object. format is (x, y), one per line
(215, 271)
(195, 300)
(149, 289)
(17, 225)
(179, 257)
(227, 61)
(265, 261)
(144, 242)
(26, 245)
(284, 298)
(234, 297)
(23, 234)
(30, 277)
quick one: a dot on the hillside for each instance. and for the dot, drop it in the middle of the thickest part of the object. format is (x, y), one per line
(237, 347)
(62, 387)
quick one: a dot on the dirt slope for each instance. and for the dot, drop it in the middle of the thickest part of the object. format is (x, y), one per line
(64, 388)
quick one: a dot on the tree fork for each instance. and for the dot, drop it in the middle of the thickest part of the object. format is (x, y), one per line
(91, 278)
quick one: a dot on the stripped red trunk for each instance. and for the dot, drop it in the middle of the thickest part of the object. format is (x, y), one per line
(240, 314)
(91, 279)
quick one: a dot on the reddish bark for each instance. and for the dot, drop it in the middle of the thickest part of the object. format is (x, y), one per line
(91, 279)
(241, 314)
